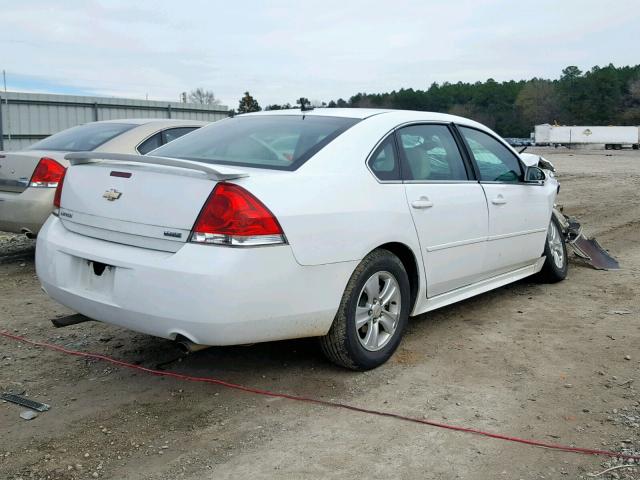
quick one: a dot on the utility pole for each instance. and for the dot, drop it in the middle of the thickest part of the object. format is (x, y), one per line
(4, 76)
(6, 102)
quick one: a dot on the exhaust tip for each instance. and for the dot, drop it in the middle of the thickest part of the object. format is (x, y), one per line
(28, 233)
(187, 346)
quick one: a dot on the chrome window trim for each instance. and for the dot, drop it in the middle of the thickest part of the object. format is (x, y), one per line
(393, 132)
(373, 150)
(439, 181)
(534, 184)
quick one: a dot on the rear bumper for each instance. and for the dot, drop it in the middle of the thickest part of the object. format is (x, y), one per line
(26, 210)
(210, 294)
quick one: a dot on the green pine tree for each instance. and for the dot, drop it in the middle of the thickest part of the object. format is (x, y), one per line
(248, 104)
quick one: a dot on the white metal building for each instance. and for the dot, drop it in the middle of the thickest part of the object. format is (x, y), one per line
(28, 117)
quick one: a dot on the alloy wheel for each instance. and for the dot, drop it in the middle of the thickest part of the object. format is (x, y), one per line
(378, 311)
(554, 239)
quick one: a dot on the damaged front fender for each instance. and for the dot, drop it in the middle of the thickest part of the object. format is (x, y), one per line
(582, 246)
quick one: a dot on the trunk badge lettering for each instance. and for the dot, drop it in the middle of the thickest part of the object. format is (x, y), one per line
(173, 234)
(112, 194)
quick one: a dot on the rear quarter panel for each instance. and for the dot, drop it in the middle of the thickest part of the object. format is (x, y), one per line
(332, 209)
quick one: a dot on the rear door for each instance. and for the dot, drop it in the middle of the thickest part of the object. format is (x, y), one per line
(447, 204)
(519, 213)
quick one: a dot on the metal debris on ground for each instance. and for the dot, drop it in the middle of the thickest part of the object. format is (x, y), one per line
(28, 415)
(584, 247)
(69, 320)
(25, 402)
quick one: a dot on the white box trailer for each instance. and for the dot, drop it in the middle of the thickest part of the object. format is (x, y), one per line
(542, 134)
(611, 137)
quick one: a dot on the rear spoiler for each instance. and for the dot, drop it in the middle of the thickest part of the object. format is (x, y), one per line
(81, 158)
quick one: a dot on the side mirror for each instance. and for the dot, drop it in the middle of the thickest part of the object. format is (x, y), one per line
(534, 175)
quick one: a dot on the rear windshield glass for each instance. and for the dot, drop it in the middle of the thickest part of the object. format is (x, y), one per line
(279, 142)
(82, 138)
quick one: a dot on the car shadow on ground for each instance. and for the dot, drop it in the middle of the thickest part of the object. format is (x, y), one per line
(16, 248)
(299, 356)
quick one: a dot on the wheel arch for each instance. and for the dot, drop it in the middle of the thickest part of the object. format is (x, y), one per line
(410, 263)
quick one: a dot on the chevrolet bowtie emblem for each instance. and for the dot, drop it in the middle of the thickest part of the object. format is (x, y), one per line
(112, 194)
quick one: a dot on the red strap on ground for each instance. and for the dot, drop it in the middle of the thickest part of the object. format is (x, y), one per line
(257, 391)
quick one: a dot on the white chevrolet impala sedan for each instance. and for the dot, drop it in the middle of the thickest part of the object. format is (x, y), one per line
(331, 223)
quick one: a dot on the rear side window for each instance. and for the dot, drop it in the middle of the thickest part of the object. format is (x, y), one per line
(431, 153)
(495, 161)
(384, 161)
(82, 138)
(280, 142)
(163, 137)
(151, 143)
(171, 134)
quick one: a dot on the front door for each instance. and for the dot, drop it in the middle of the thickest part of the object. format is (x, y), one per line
(519, 213)
(449, 209)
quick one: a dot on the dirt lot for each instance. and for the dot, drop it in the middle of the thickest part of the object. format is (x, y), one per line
(536, 361)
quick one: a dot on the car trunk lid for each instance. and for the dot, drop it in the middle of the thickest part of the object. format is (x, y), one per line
(16, 168)
(150, 202)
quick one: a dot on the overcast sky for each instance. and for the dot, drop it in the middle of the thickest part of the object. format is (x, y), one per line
(280, 50)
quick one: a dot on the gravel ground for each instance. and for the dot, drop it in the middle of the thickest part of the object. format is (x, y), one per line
(558, 363)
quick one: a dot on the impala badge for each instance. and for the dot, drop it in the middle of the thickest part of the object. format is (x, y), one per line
(112, 194)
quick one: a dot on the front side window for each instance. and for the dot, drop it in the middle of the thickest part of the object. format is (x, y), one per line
(384, 163)
(431, 154)
(82, 138)
(495, 161)
(279, 142)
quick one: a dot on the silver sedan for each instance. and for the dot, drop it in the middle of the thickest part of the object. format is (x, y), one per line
(28, 178)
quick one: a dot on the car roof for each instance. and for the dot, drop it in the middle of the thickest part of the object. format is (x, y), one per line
(325, 112)
(145, 121)
(363, 113)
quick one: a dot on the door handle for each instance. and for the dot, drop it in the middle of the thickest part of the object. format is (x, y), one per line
(499, 200)
(422, 202)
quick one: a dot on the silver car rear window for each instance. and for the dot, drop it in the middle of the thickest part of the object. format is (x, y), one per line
(82, 138)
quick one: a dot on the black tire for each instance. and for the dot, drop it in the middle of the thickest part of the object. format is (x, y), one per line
(551, 272)
(342, 345)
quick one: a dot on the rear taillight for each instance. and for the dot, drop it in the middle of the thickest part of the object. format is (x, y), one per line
(233, 216)
(47, 174)
(58, 194)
